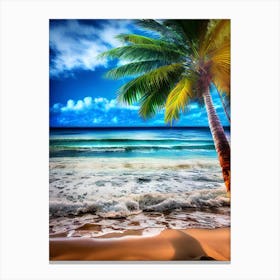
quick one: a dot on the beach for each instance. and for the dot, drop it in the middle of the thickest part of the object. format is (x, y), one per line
(136, 194)
(180, 245)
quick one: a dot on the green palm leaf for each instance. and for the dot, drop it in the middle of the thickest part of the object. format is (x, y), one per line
(167, 33)
(142, 52)
(134, 68)
(152, 102)
(152, 81)
(136, 39)
(191, 30)
(139, 39)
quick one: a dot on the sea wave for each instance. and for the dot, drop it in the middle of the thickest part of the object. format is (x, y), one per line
(134, 204)
(159, 144)
(129, 148)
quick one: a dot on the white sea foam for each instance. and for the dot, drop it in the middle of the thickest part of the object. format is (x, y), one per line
(148, 222)
(121, 194)
(123, 206)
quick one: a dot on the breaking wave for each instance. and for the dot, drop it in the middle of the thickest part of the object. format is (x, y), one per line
(133, 204)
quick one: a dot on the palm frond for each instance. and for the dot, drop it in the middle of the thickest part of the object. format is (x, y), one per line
(156, 26)
(133, 68)
(221, 79)
(218, 34)
(140, 39)
(142, 52)
(220, 69)
(136, 39)
(178, 98)
(190, 32)
(177, 28)
(150, 82)
(152, 25)
(151, 103)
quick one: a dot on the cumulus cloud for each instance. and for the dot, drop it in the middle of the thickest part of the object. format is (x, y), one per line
(98, 103)
(75, 106)
(93, 111)
(75, 45)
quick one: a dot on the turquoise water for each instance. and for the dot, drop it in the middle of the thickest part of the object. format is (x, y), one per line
(148, 142)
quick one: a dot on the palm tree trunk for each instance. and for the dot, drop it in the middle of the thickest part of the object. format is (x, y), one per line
(220, 140)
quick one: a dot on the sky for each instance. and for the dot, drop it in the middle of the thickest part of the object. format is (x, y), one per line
(80, 95)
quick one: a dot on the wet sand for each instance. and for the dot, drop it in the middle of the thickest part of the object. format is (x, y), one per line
(188, 245)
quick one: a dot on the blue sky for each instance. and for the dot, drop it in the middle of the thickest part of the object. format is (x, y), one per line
(80, 96)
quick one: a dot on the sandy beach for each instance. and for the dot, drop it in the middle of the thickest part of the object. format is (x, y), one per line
(170, 244)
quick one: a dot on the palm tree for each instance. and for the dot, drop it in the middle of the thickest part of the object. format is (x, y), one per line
(176, 67)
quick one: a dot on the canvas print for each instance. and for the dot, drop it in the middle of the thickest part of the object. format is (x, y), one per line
(139, 140)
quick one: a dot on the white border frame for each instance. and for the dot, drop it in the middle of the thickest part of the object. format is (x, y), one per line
(254, 137)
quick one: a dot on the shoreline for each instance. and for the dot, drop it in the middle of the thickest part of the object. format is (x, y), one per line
(170, 244)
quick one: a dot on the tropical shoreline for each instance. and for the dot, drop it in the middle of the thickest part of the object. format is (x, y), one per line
(119, 196)
(170, 244)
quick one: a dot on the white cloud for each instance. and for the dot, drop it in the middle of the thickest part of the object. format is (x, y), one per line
(88, 103)
(71, 105)
(100, 100)
(77, 45)
(96, 111)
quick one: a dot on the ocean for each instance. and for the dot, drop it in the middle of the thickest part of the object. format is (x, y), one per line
(106, 180)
